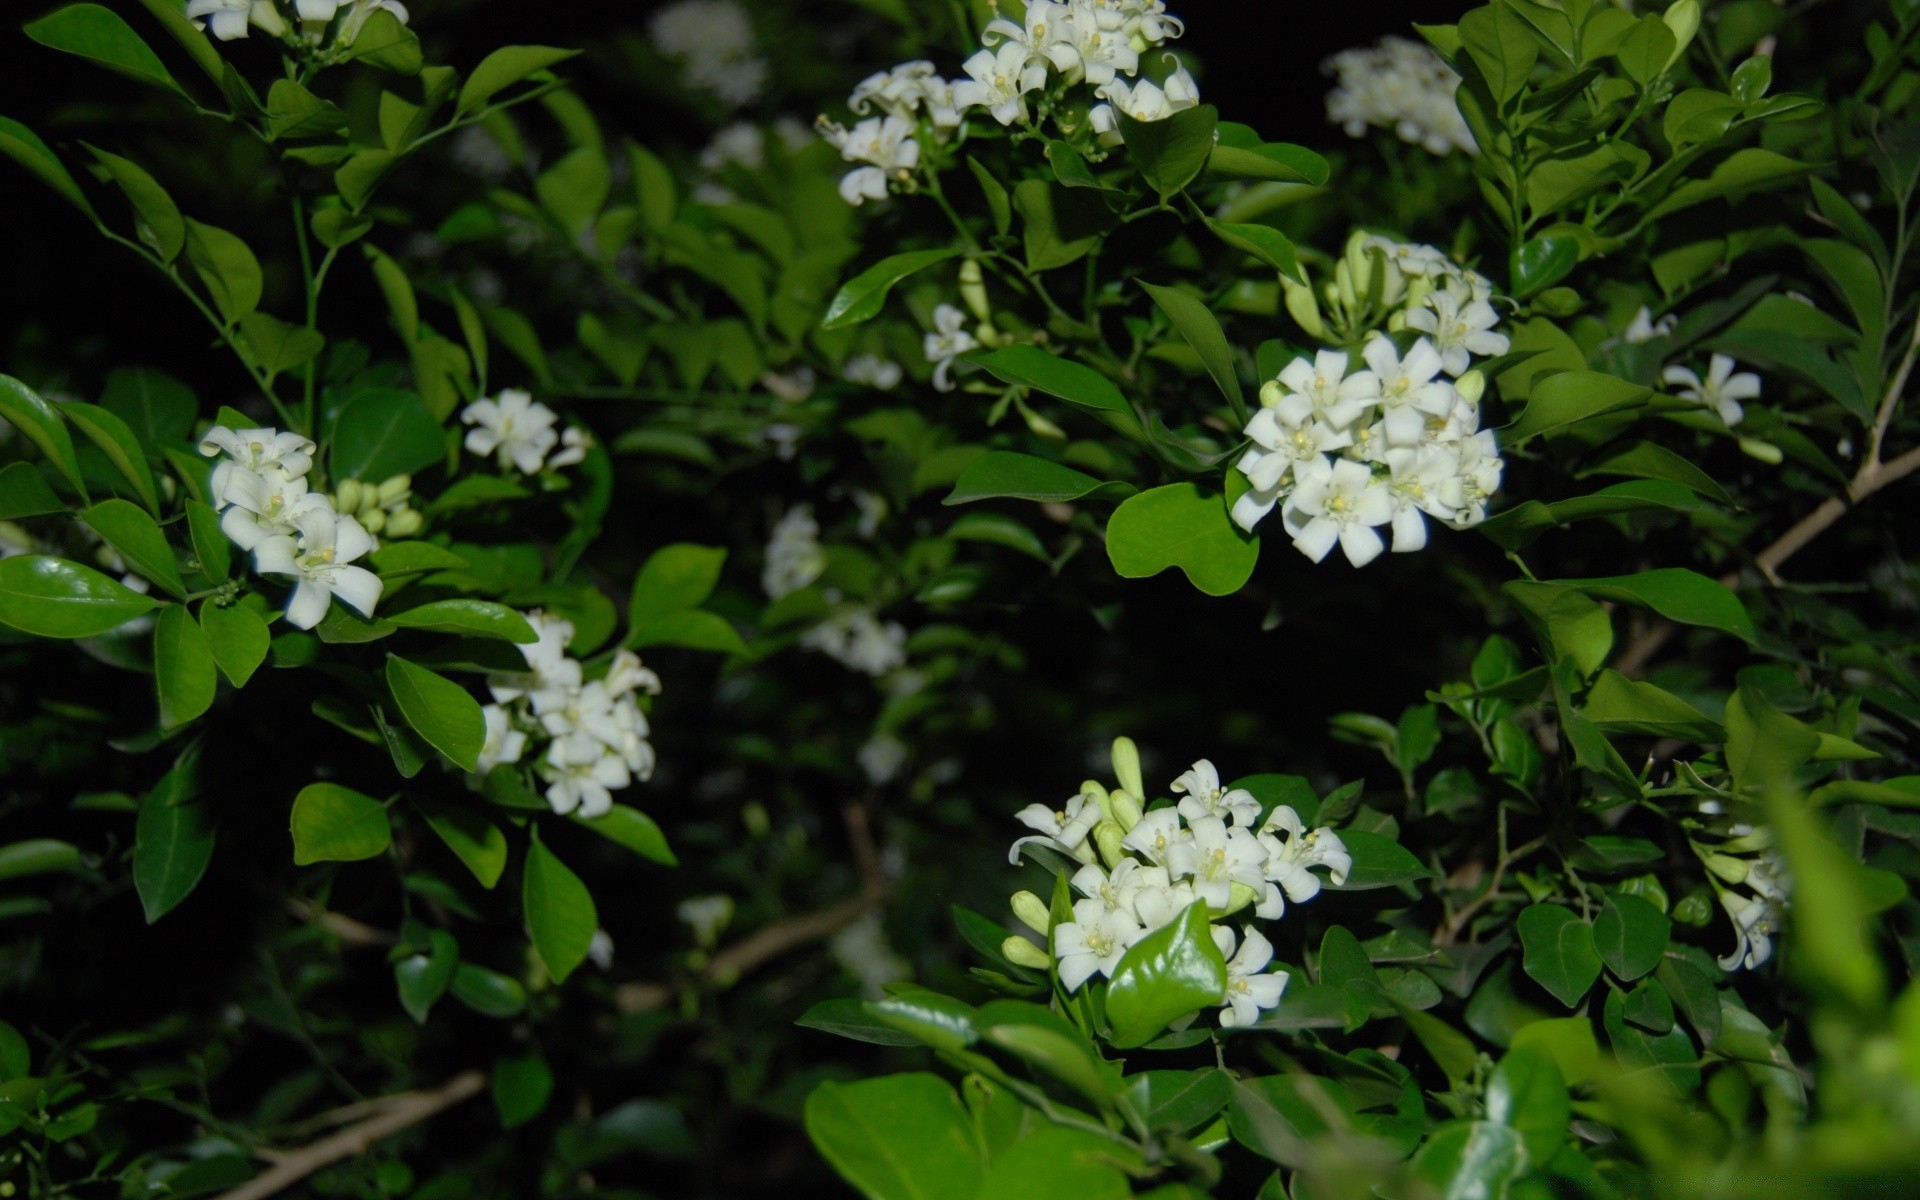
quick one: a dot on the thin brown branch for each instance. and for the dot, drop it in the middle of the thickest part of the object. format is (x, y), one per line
(348, 930)
(396, 1113)
(782, 937)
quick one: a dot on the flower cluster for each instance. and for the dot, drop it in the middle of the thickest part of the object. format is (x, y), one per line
(1060, 44)
(519, 431)
(1722, 390)
(1140, 870)
(1744, 856)
(260, 491)
(594, 730)
(229, 19)
(858, 640)
(795, 557)
(381, 508)
(1347, 447)
(714, 43)
(1399, 85)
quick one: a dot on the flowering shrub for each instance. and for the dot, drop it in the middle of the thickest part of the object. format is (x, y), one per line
(563, 595)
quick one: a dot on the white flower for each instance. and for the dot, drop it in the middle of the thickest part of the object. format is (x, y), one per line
(256, 449)
(948, 340)
(742, 144)
(714, 40)
(1094, 941)
(316, 10)
(504, 743)
(887, 146)
(626, 675)
(1042, 28)
(581, 773)
(1417, 480)
(551, 677)
(1322, 390)
(515, 425)
(1123, 888)
(1092, 49)
(1722, 390)
(904, 90)
(998, 81)
(862, 948)
(1412, 258)
(1064, 829)
(1459, 330)
(795, 557)
(228, 19)
(320, 563)
(881, 757)
(1289, 863)
(600, 949)
(857, 639)
(708, 916)
(1338, 502)
(1280, 452)
(1157, 835)
(1408, 391)
(1477, 478)
(1643, 328)
(1216, 858)
(1249, 987)
(1143, 100)
(1399, 85)
(1205, 798)
(257, 505)
(574, 442)
(1755, 920)
(872, 370)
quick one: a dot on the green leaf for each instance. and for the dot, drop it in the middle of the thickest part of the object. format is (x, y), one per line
(1378, 861)
(850, 1019)
(1742, 171)
(385, 43)
(1059, 225)
(693, 628)
(238, 637)
(1180, 525)
(676, 577)
(861, 298)
(421, 979)
(1180, 1101)
(928, 1017)
(295, 112)
(183, 667)
(1056, 1163)
(121, 447)
(1558, 951)
(439, 710)
(331, 823)
(1452, 1050)
(1517, 527)
(1569, 398)
(1569, 1041)
(1470, 1160)
(1069, 167)
(995, 192)
(160, 225)
(385, 432)
(173, 843)
(51, 597)
(1030, 366)
(1677, 594)
(522, 1087)
(24, 493)
(228, 269)
(1620, 705)
(38, 856)
(1500, 45)
(488, 993)
(1647, 460)
(1631, 935)
(898, 1137)
(1169, 152)
(1543, 262)
(1049, 1041)
(412, 558)
(275, 346)
(130, 531)
(1263, 242)
(1240, 152)
(635, 830)
(559, 911)
(1569, 625)
(1764, 745)
(504, 68)
(1527, 1093)
(474, 839)
(1646, 49)
(157, 407)
(23, 408)
(24, 146)
(1003, 473)
(1172, 972)
(103, 36)
(1279, 1116)
(1202, 331)
(1000, 530)
(481, 618)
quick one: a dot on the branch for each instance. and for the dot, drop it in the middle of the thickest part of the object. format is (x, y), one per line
(762, 947)
(394, 1114)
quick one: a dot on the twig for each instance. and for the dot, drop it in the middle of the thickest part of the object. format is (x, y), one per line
(397, 1113)
(758, 949)
(348, 930)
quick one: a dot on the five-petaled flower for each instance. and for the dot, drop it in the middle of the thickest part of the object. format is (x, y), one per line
(319, 558)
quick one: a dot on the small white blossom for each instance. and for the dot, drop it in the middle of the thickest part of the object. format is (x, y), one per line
(948, 341)
(857, 639)
(881, 757)
(1643, 328)
(863, 949)
(513, 424)
(795, 557)
(1200, 784)
(1288, 864)
(1157, 835)
(714, 41)
(1093, 942)
(872, 370)
(888, 148)
(1409, 391)
(504, 743)
(1721, 391)
(1459, 330)
(1215, 858)
(1399, 85)
(708, 916)
(1250, 987)
(228, 19)
(581, 774)
(1477, 478)
(319, 561)
(1341, 502)
(1064, 829)
(998, 81)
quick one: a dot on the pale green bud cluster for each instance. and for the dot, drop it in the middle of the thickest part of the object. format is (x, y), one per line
(382, 508)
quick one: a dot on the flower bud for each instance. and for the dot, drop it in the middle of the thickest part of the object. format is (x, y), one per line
(1041, 426)
(1239, 895)
(1091, 788)
(1126, 809)
(267, 19)
(347, 497)
(1302, 307)
(1733, 870)
(1024, 953)
(973, 291)
(1343, 286)
(1108, 837)
(1126, 755)
(1032, 911)
(405, 523)
(1766, 452)
(1471, 386)
(1683, 19)
(374, 520)
(396, 488)
(1271, 393)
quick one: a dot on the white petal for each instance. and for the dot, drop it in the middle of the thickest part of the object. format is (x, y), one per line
(308, 604)
(356, 587)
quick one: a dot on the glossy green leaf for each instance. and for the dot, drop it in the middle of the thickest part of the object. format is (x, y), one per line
(1056, 1163)
(228, 269)
(24, 147)
(478, 618)
(51, 597)
(1378, 861)
(488, 993)
(23, 408)
(238, 638)
(1263, 242)
(696, 629)
(850, 1019)
(173, 843)
(1543, 262)
(474, 839)
(1000, 530)
(635, 830)
(559, 910)
(385, 432)
(1677, 594)
(861, 298)
(1631, 935)
(212, 550)
(422, 978)
(101, 35)
(928, 1017)
(38, 856)
(897, 1137)
(1570, 397)
(24, 493)
(1499, 44)
(1569, 624)
(130, 531)
(160, 225)
(1470, 1160)
(1003, 473)
(183, 667)
(439, 710)
(1169, 973)
(157, 407)
(386, 43)
(1620, 705)
(1180, 525)
(1180, 1101)
(502, 69)
(1559, 951)
(1648, 460)
(1527, 1093)
(1030, 366)
(1742, 171)
(674, 577)
(1202, 331)
(521, 1087)
(1169, 152)
(331, 823)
